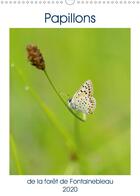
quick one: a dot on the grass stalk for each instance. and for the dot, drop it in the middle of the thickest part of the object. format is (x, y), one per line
(80, 157)
(65, 103)
(15, 154)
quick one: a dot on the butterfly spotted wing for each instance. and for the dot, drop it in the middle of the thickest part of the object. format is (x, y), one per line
(83, 100)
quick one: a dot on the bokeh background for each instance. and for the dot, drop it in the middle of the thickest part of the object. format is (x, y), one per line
(41, 128)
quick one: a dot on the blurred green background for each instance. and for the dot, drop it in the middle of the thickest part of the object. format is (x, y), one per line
(37, 138)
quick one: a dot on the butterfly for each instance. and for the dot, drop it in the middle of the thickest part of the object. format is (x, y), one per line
(83, 100)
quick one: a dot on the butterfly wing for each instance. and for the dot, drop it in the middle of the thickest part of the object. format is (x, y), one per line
(83, 99)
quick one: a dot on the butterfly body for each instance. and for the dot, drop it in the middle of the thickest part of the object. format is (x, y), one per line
(83, 100)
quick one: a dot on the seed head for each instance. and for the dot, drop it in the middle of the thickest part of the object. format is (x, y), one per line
(35, 57)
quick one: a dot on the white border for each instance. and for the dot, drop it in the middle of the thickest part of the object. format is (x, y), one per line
(107, 16)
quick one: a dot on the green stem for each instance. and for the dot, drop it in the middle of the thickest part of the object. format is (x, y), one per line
(77, 134)
(66, 105)
(81, 161)
(15, 153)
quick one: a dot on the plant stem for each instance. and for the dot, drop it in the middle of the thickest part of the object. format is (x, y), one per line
(66, 105)
(80, 158)
(76, 134)
(15, 153)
